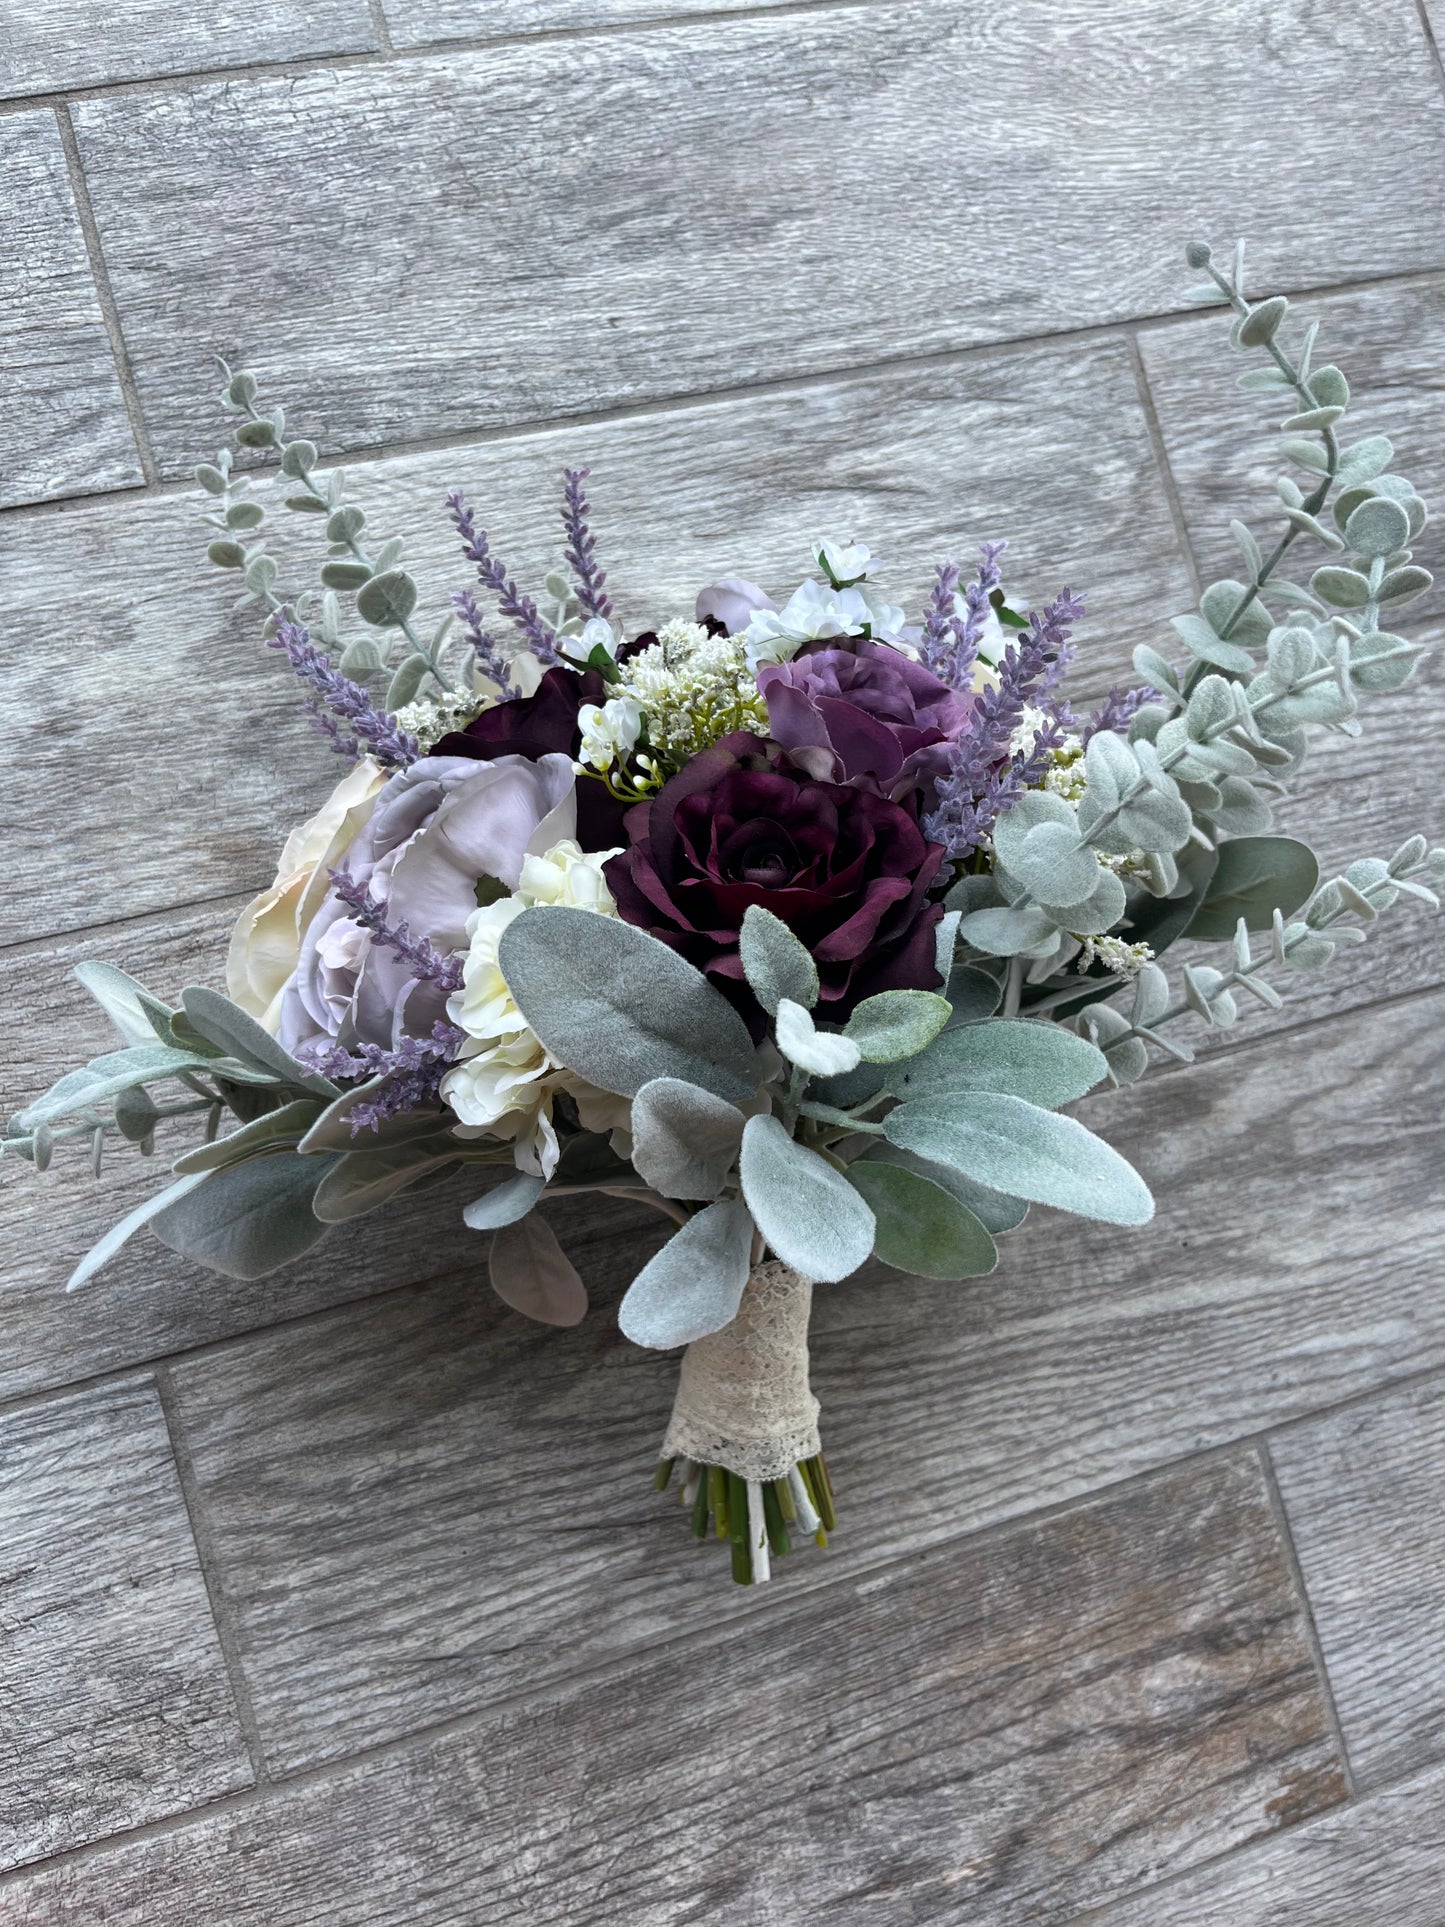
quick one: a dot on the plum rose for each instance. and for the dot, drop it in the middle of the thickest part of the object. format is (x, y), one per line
(846, 869)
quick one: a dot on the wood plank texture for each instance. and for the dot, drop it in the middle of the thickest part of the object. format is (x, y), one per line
(64, 429)
(523, 254)
(417, 23)
(53, 45)
(418, 1503)
(1365, 1493)
(1375, 1863)
(117, 1708)
(926, 461)
(990, 1735)
(1221, 443)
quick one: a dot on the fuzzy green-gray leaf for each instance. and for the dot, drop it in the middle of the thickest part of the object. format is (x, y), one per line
(505, 1203)
(695, 1283)
(806, 1209)
(896, 1023)
(684, 1139)
(229, 1027)
(269, 1132)
(249, 1219)
(775, 963)
(1038, 1061)
(1255, 876)
(922, 1228)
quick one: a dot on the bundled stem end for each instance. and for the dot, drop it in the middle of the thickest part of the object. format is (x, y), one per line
(758, 1518)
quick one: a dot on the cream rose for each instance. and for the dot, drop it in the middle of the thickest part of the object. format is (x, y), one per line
(266, 941)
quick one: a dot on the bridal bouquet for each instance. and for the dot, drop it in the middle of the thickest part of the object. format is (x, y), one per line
(800, 924)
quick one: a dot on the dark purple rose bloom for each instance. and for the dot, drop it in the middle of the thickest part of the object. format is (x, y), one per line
(846, 869)
(545, 724)
(864, 712)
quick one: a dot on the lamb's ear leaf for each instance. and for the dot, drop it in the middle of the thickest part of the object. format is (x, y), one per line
(897, 1023)
(104, 1249)
(775, 963)
(995, 1210)
(533, 1274)
(1037, 1061)
(505, 1203)
(1013, 1146)
(362, 1181)
(106, 1077)
(684, 1139)
(229, 1027)
(922, 1228)
(822, 1053)
(619, 1008)
(803, 1205)
(139, 1017)
(695, 1283)
(271, 1131)
(248, 1219)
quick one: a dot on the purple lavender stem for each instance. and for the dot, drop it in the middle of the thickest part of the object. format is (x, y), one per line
(582, 546)
(420, 954)
(488, 649)
(986, 775)
(541, 640)
(414, 1069)
(1118, 710)
(950, 642)
(373, 727)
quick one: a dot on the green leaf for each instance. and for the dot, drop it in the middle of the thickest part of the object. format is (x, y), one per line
(386, 601)
(684, 1140)
(972, 995)
(104, 1077)
(362, 1181)
(210, 479)
(806, 1209)
(589, 1161)
(1254, 877)
(227, 555)
(695, 1283)
(1007, 932)
(1037, 1061)
(1329, 387)
(922, 1228)
(345, 575)
(1341, 588)
(403, 687)
(257, 434)
(344, 524)
(137, 1015)
(298, 459)
(1218, 604)
(229, 1027)
(263, 1135)
(505, 1203)
(1403, 585)
(1378, 527)
(995, 1211)
(361, 658)
(332, 1130)
(1261, 324)
(531, 1273)
(250, 1219)
(897, 1023)
(1013, 1146)
(619, 1008)
(105, 1248)
(245, 515)
(1363, 461)
(136, 1117)
(775, 963)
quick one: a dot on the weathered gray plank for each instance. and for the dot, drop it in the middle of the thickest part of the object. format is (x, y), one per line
(64, 429)
(1363, 1489)
(1223, 445)
(484, 1482)
(166, 806)
(1375, 1863)
(565, 225)
(418, 23)
(117, 1706)
(52, 45)
(992, 1735)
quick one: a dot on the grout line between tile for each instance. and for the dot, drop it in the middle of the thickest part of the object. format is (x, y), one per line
(1431, 42)
(206, 1558)
(1307, 1611)
(99, 274)
(381, 28)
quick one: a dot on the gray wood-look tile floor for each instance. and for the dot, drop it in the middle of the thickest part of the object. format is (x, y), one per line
(343, 1597)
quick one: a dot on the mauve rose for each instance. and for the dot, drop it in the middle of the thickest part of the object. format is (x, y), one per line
(436, 829)
(731, 602)
(544, 724)
(863, 712)
(846, 869)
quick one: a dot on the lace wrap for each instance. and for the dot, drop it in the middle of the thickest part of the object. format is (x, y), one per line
(743, 1399)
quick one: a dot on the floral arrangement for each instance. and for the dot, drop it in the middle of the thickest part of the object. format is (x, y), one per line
(800, 924)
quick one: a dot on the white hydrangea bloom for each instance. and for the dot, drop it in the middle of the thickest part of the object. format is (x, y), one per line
(693, 688)
(505, 1082)
(429, 719)
(609, 731)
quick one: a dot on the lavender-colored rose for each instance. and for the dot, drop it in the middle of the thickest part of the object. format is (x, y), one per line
(437, 828)
(864, 713)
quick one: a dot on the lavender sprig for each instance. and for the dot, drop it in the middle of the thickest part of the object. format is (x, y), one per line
(950, 642)
(374, 728)
(541, 638)
(986, 775)
(414, 1072)
(488, 649)
(582, 546)
(1118, 710)
(420, 954)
